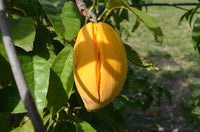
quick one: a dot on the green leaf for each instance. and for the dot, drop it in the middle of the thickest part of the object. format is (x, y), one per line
(133, 56)
(168, 94)
(186, 15)
(125, 102)
(111, 116)
(19, 108)
(58, 46)
(196, 34)
(5, 71)
(119, 16)
(53, 9)
(56, 96)
(65, 126)
(136, 25)
(63, 67)
(36, 68)
(147, 20)
(193, 13)
(83, 126)
(27, 127)
(10, 101)
(61, 80)
(23, 32)
(71, 20)
(64, 16)
(4, 124)
(189, 14)
(52, 54)
(146, 103)
(46, 118)
(25, 8)
(2, 49)
(124, 15)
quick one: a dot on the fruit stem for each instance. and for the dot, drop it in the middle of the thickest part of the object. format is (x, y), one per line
(85, 11)
(94, 18)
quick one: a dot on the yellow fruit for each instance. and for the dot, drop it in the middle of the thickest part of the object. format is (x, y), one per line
(99, 64)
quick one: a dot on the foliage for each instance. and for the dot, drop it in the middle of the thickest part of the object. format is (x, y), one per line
(196, 35)
(192, 112)
(189, 15)
(44, 33)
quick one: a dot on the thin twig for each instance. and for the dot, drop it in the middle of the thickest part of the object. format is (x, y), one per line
(181, 8)
(184, 9)
(164, 4)
(18, 73)
(177, 5)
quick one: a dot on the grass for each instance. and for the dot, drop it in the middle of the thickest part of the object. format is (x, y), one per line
(178, 62)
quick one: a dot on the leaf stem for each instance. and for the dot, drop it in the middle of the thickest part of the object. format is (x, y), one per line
(94, 18)
(97, 8)
(93, 5)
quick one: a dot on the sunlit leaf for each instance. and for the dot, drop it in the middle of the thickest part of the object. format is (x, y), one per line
(23, 32)
(53, 9)
(71, 20)
(27, 127)
(64, 16)
(36, 68)
(61, 80)
(46, 118)
(83, 126)
(2, 49)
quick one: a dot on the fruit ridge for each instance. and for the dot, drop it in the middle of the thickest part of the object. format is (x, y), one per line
(99, 64)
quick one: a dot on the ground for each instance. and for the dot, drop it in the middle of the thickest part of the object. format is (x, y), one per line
(178, 63)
